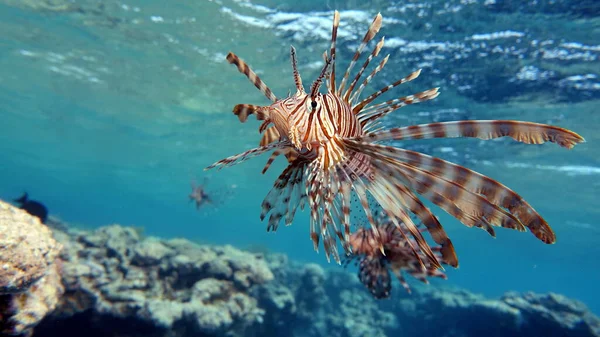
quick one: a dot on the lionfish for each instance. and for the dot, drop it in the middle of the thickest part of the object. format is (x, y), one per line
(374, 266)
(331, 143)
(199, 195)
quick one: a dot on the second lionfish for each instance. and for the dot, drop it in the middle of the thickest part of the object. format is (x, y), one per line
(331, 142)
(374, 266)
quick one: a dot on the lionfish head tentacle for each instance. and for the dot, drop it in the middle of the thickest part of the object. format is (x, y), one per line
(297, 78)
(246, 70)
(314, 88)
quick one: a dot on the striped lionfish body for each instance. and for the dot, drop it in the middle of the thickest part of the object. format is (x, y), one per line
(331, 142)
(374, 266)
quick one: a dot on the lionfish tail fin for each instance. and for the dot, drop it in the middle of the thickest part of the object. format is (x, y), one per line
(374, 274)
(525, 132)
(251, 75)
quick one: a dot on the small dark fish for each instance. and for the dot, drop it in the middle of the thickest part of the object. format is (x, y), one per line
(33, 207)
(199, 194)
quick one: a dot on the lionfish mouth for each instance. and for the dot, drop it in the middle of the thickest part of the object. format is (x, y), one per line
(353, 168)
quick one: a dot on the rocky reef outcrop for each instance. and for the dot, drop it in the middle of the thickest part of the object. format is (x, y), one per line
(338, 305)
(456, 312)
(30, 283)
(115, 282)
(120, 284)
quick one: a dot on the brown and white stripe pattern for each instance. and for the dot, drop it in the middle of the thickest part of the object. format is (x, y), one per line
(334, 29)
(374, 266)
(245, 69)
(358, 107)
(330, 119)
(240, 158)
(245, 110)
(369, 116)
(374, 53)
(371, 32)
(356, 94)
(526, 132)
(296, 73)
(330, 143)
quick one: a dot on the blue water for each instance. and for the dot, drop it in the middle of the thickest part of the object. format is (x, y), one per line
(108, 112)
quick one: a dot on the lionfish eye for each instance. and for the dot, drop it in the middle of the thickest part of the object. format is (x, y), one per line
(313, 104)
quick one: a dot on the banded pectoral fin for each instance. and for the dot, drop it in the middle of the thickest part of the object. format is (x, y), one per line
(239, 158)
(272, 135)
(472, 209)
(525, 132)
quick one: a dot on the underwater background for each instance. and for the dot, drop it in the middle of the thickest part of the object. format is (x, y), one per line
(109, 109)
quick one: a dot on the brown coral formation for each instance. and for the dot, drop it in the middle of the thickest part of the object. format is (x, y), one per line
(30, 283)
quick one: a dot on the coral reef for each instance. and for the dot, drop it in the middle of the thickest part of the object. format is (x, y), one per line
(336, 304)
(170, 287)
(117, 283)
(28, 249)
(454, 312)
(30, 284)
